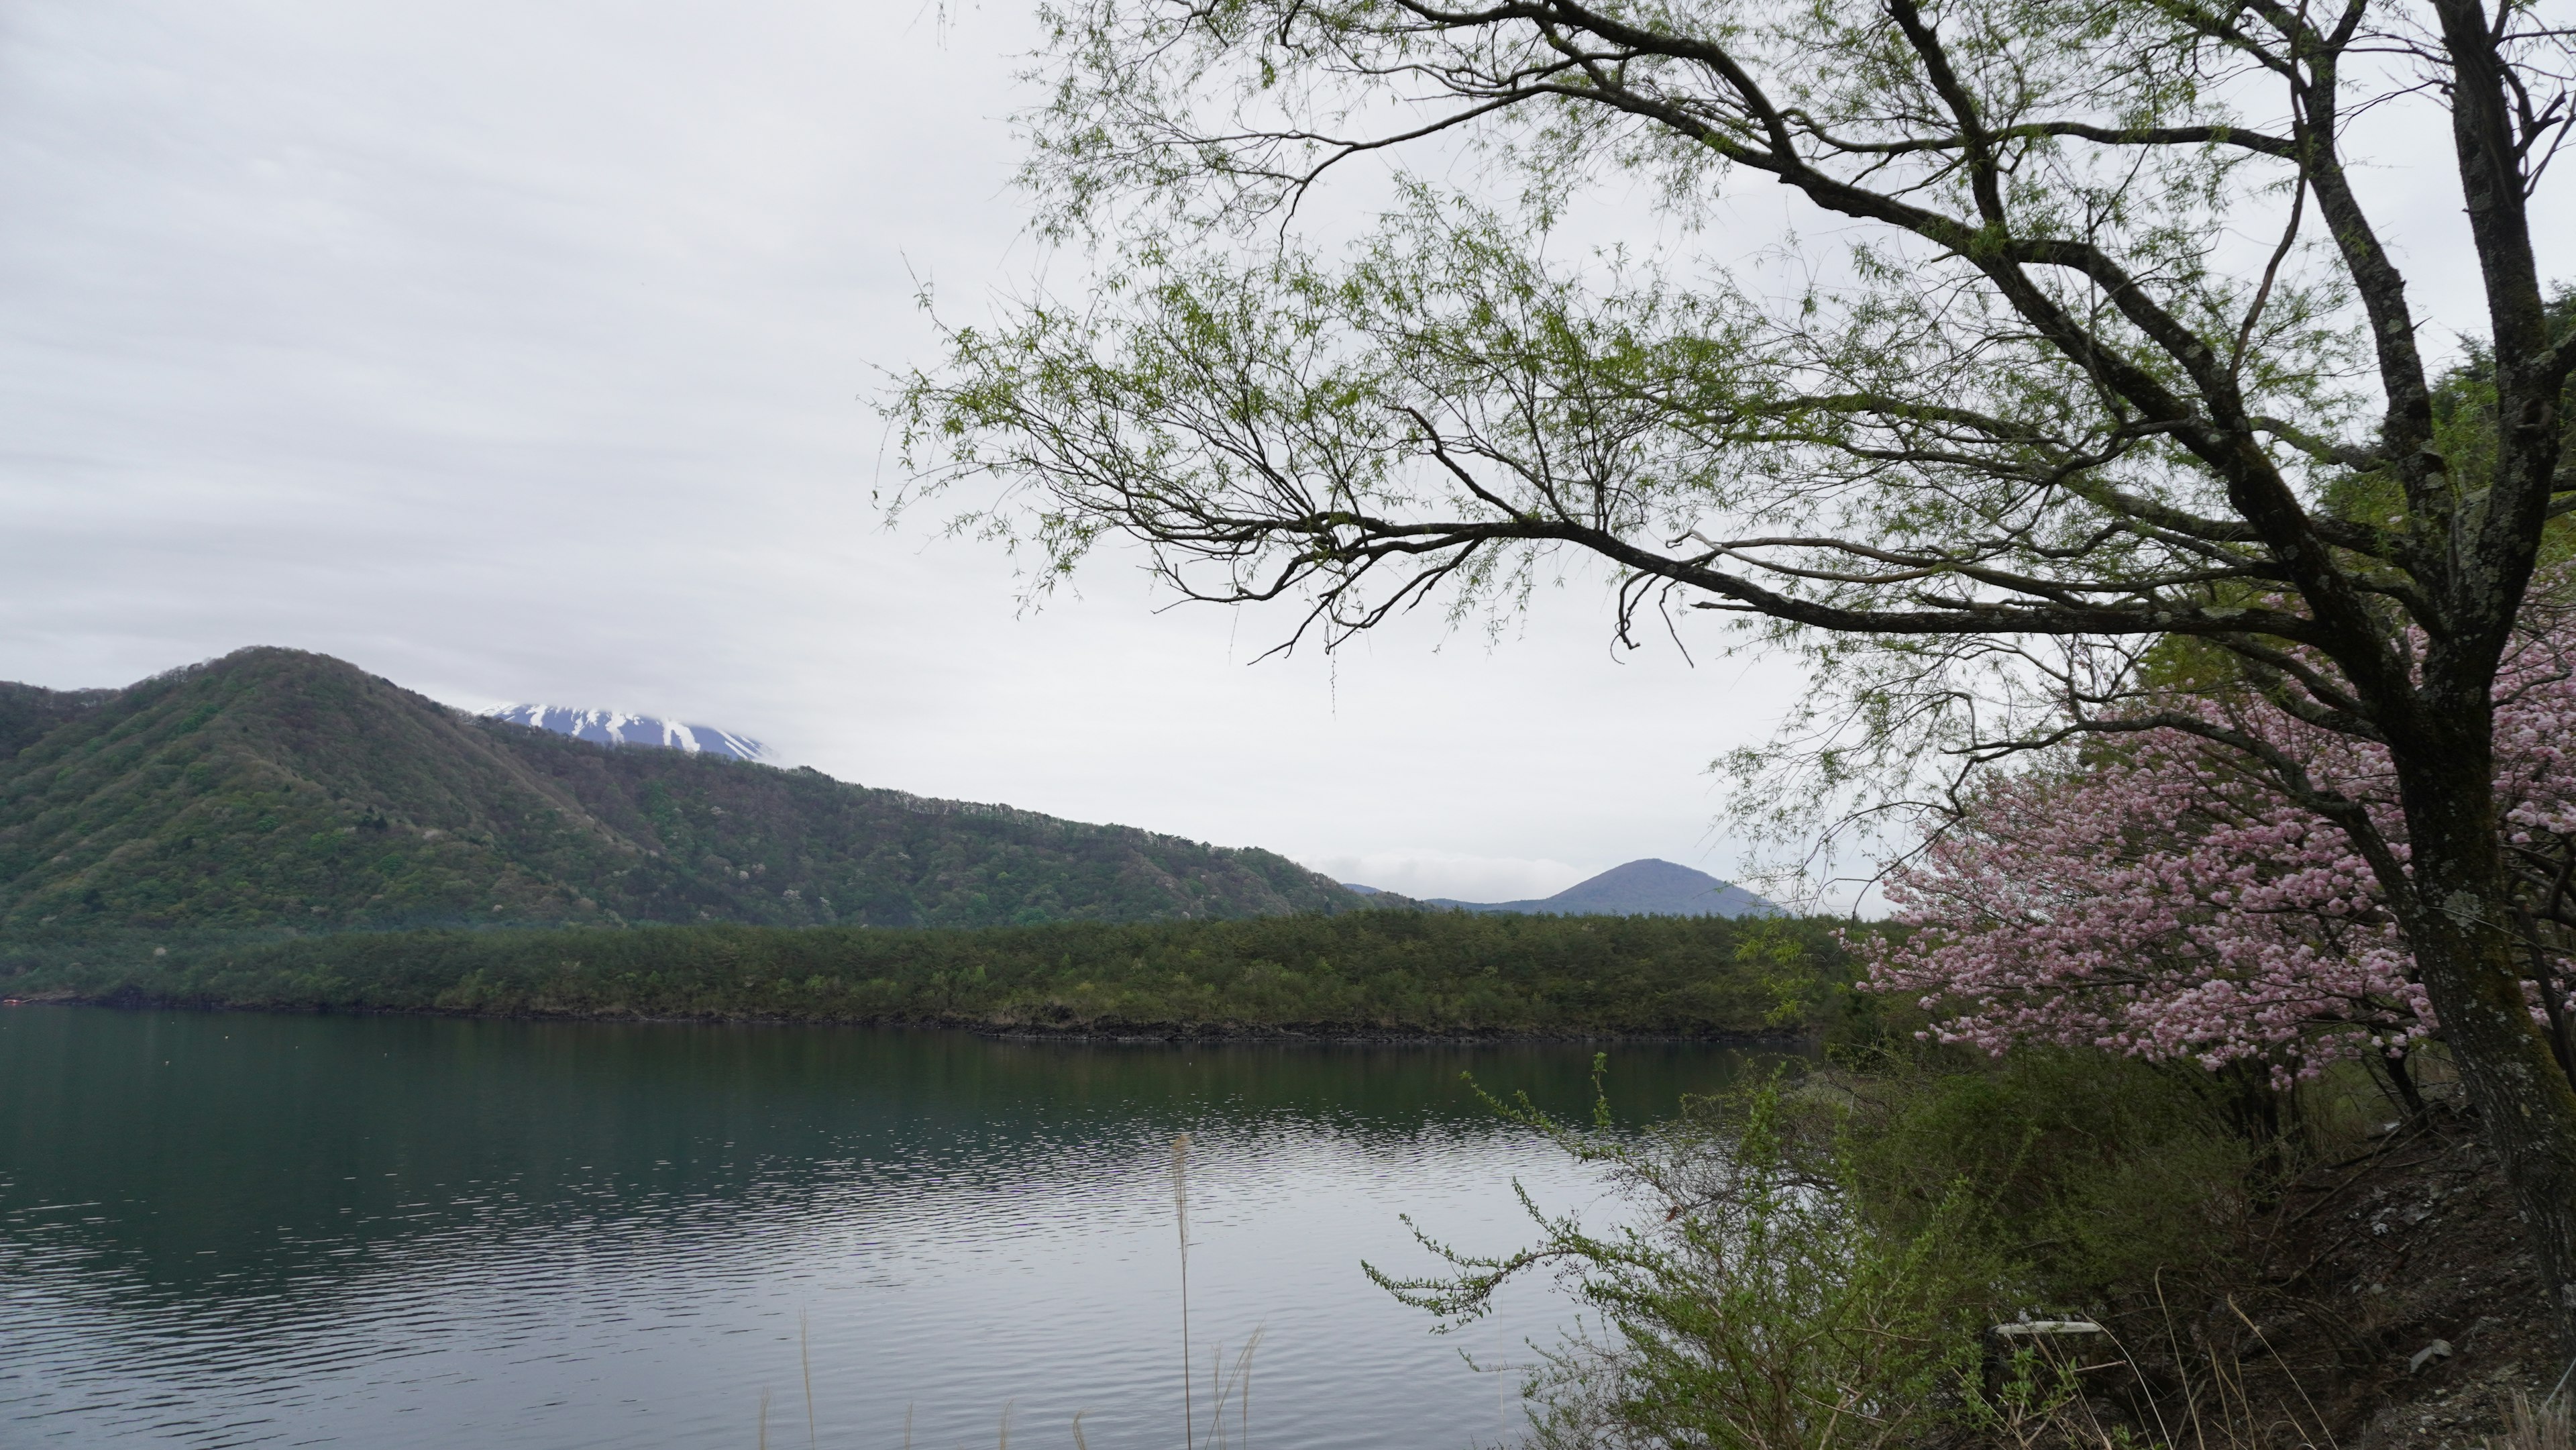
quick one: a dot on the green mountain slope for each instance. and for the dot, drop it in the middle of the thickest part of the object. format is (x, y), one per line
(28, 713)
(274, 788)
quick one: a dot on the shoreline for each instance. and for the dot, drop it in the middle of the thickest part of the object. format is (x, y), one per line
(1120, 1035)
(1361, 977)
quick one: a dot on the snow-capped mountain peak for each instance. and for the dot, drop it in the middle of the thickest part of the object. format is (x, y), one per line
(616, 727)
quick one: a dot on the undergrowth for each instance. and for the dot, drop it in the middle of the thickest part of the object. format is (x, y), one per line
(1912, 1247)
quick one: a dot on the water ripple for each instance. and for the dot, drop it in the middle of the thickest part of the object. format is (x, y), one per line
(389, 1232)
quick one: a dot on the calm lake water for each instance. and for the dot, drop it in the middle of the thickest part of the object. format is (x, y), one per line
(230, 1229)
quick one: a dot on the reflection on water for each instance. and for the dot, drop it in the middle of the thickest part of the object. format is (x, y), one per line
(237, 1229)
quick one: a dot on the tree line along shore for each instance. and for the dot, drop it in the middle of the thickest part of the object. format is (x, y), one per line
(1359, 974)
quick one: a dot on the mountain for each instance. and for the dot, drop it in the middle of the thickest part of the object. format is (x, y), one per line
(1640, 888)
(30, 712)
(611, 727)
(274, 787)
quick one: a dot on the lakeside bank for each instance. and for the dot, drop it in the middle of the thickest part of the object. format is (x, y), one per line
(1360, 976)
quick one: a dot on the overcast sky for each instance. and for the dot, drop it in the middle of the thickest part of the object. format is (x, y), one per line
(520, 352)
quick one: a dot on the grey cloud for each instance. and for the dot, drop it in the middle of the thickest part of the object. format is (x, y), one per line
(512, 351)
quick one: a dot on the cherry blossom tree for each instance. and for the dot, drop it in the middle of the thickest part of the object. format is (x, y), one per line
(2157, 897)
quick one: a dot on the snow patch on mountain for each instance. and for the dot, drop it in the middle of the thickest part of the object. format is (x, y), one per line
(616, 727)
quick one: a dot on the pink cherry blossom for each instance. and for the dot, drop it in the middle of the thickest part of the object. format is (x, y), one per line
(2158, 895)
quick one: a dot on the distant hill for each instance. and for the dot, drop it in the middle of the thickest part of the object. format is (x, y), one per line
(28, 713)
(1640, 888)
(274, 787)
(612, 727)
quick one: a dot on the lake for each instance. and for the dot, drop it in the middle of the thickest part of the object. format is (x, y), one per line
(235, 1229)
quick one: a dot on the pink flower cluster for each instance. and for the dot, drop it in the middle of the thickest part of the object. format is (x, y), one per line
(2158, 895)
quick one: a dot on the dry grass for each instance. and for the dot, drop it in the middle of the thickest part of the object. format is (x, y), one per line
(1181, 1218)
(1234, 1385)
(2548, 1425)
(2090, 1391)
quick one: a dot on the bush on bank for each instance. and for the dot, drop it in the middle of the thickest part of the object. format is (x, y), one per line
(1821, 1260)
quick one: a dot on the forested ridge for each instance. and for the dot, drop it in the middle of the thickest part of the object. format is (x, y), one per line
(276, 788)
(1357, 973)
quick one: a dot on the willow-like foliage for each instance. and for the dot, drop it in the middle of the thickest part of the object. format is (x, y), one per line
(2080, 345)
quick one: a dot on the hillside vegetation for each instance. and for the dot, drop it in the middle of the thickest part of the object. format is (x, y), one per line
(275, 788)
(1369, 972)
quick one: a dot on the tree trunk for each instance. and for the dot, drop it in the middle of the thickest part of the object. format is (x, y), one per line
(2458, 924)
(2401, 1083)
(2553, 995)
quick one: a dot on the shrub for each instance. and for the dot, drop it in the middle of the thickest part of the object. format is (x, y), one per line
(1817, 1262)
(2091, 1171)
(1745, 1302)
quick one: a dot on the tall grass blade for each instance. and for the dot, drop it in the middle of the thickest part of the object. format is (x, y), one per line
(805, 1358)
(1181, 1217)
(1237, 1386)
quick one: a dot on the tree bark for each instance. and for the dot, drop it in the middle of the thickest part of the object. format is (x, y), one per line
(2469, 957)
